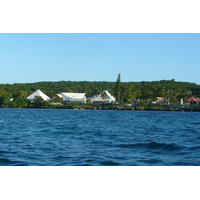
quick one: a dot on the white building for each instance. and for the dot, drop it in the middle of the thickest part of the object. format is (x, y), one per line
(38, 93)
(107, 99)
(73, 97)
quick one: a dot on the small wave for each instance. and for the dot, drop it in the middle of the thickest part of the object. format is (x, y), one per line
(153, 161)
(195, 147)
(196, 123)
(20, 164)
(2, 152)
(180, 163)
(190, 130)
(7, 162)
(109, 163)
(152, 145)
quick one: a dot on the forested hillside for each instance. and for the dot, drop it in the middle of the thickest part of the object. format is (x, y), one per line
(168, 89)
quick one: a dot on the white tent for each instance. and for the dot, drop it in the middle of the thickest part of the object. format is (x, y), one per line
(38, 93)
(108, 99)
(74, 97)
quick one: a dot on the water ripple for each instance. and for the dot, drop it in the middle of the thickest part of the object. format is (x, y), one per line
(91, 138)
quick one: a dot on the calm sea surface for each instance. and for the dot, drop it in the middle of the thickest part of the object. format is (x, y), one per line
(37, 137)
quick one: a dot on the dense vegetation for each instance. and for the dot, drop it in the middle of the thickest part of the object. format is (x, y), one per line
(170, 90)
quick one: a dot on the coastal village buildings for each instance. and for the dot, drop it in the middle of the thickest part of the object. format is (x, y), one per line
(193, 101)
(104, 97)
(38, 93)
(73, 97)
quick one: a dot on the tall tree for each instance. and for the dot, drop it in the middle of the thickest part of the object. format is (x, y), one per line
(85, 87)
(4, 100)
(117, 88)
(94, 92)
(128, 93)
(19, 94)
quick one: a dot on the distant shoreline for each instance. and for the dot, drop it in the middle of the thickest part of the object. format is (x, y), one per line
(174, 109)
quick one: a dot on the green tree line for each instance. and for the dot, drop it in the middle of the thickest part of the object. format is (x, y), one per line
(125, 92)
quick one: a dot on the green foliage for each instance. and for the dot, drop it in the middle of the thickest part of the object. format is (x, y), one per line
(142, 103)
(128, 93)
(88, 101)
(173, 101)
(104, 95)
(19, 94)
(85, 87)
(93, 92)
(125, 92)
(4, 99)
(20, 103)
(40, 103)
(58, 99)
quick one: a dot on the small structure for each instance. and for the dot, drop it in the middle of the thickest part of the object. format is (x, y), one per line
(38, 93)
(159, 100)
(181, 101)
(192, 101)
(104, 97)
(73, 97)
(198, 101)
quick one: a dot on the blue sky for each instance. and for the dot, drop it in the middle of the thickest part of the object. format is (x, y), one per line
(34, 57)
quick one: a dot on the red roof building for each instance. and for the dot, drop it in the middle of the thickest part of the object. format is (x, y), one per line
(191, 99)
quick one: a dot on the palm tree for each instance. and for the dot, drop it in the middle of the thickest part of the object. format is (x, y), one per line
(103, 95)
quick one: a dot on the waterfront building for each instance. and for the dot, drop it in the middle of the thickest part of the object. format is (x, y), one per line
(73, 97)
(191, 100)
(38, 93)
(104, 97)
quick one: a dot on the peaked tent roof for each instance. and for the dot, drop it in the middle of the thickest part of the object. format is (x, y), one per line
(108, 98)
(191, 99)
(38, 93)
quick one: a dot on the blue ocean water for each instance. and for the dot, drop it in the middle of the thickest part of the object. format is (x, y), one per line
(48, 137)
